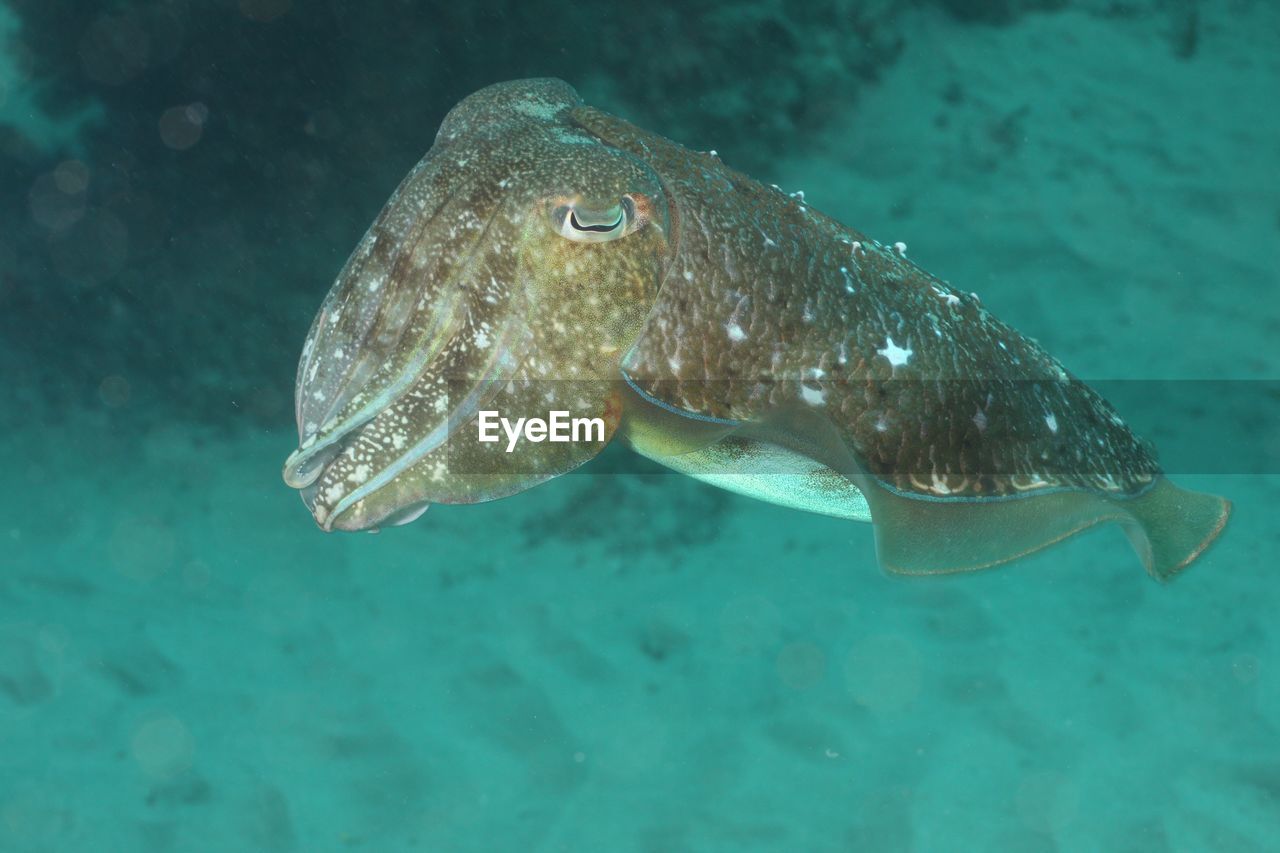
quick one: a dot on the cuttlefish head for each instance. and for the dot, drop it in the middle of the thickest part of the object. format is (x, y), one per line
(519, 257)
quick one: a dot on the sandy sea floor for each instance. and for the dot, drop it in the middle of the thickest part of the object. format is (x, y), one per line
(637, 662)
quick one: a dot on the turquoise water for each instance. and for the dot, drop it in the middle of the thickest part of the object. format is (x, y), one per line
(622, 659)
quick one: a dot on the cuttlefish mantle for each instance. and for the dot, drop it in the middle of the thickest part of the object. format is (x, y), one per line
(546, 256)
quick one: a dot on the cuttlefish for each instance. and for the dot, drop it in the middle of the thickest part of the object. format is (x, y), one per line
(546, 256)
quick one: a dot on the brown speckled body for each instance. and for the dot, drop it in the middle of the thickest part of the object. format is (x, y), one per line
(769, 302)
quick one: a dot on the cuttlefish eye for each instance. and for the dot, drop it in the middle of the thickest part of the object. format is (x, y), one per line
(586, 224)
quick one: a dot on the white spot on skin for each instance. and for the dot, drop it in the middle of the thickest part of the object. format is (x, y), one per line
(939, 485)
(813, 396)
(735, 332)
(882, 423)
(1051, 422)
(980, 420)
(481, 340)
(848, 280)
(688, 275)
(897, 356)
(901, 247)
(950, 298)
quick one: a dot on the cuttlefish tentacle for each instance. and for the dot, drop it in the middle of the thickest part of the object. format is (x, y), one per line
(546, 254)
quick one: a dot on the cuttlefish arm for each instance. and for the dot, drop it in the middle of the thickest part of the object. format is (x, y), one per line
(781, 334)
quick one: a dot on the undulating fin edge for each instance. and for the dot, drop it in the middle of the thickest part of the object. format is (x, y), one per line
(1169, 527)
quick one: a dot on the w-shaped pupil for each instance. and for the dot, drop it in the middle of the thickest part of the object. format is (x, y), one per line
(597, 229)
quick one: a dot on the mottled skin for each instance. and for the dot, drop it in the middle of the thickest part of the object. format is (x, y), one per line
(723, 323)
(769, 301)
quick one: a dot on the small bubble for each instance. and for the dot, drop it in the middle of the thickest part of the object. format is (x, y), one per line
(51, 206)
(114, 391)
(162, 746)
(71, 177)
(179, 127)
(884, 672)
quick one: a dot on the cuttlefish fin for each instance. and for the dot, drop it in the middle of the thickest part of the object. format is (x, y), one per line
(1168, 527)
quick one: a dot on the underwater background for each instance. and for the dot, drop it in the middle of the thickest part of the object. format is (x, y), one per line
(622, 659)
